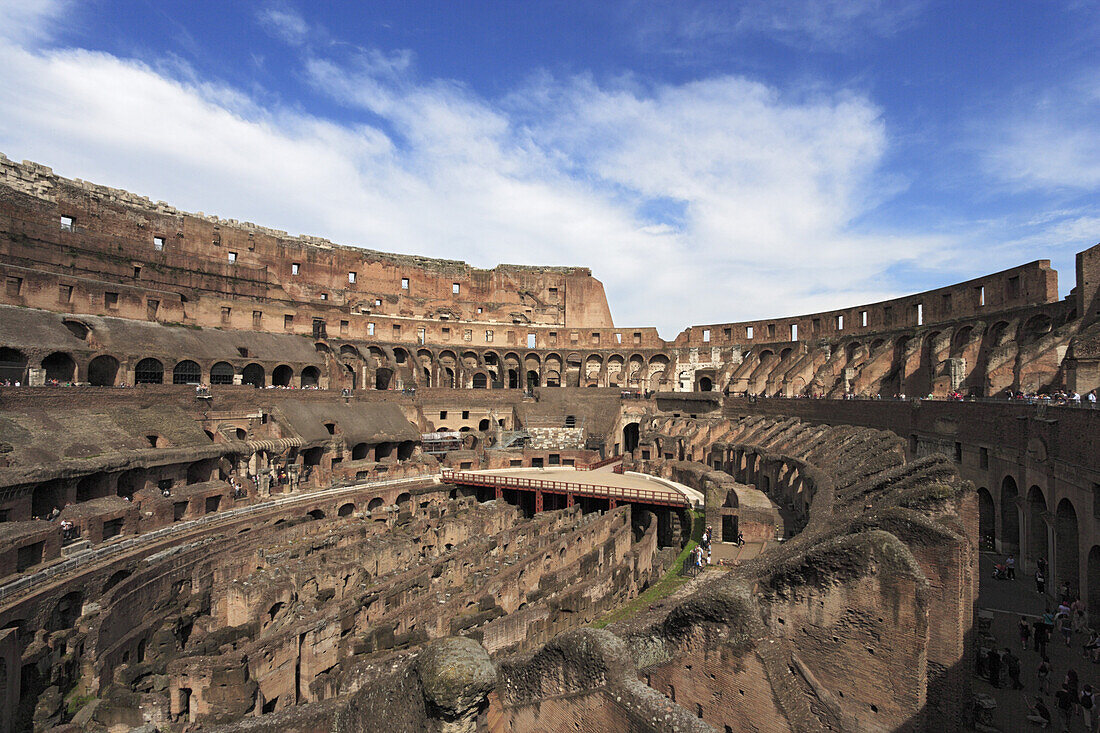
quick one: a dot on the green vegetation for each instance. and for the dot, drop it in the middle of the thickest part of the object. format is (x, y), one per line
(74, 700)
(667, 585)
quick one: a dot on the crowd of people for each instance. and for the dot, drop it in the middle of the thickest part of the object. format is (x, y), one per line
(1071, 701)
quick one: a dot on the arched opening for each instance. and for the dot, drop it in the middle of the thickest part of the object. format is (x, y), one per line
(426, 378)
(705, 384)
(312, 456)
(513, 379)
(374, 504)
(382, 377)
(102, 371)
(222, 373)
(1036, 327)
(186, 372)
(310, 376)
(405, 450)
(403, 499)
(130, 482)
(1093, 577)
(13, 365)
(66, 612)
(117, 578)
(316, 514)
(91, 486)
(46, 497)
(1065, 546)
(59, 366)
(570, 421)
(480, 381)
(281, 375)
(400, 356)
(253, 374)
(346, 510)
(483, 425)
(149, 371)
(78, 329)
(532, 379)
(1037, 529)
(630, 437)
(986, 520)
(450, 377)
(553, 378)
(359, 451)
(1010, 516)
(383, 451)
(199, 472)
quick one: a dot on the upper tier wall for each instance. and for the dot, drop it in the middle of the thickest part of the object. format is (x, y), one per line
(108, 232)
(1027, 285)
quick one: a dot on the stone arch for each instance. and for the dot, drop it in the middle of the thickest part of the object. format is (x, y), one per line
(102, 371)
(12, 364)
(316, 514)
(65, 612)
(186, 372)
(400, 355)
(1066, 550)
(311, 376)
(630, 437)
(1010, 515)
(960, 340)
(1035, 328)
(1037, 527)
(375, 503)
(706, 384)
(281, 375)
(346, 510)
(254, 374)
(1092, 578)
(359, 451)
(404, 499)
(222, 373)
(405, 450)
(78, 329)
(149, 371)
(382, 378)
(483, 425)
(60, 366)
(987, 530)
(480, 380)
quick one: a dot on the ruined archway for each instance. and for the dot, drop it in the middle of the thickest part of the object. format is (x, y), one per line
(281, 375)
(149, 371)
(13, 365)
(630, 437)
(1066, 550)
(1010, 516)
(103, 371)
(186, 372)
(253, 374)
(1037, 526)
(987, 531)
(60, 367)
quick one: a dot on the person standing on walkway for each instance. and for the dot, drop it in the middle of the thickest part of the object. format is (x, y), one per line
(1088, 706)
(1025, 632)
(1044, 677)
(1010, 565)
(1065, 700)
(1040, 582)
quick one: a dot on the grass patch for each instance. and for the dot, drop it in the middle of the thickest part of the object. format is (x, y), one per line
(74, 700)
(667, 585)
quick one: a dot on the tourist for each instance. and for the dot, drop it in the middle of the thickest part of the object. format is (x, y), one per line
(1010, 565)
(1087, 702)
(1065, 596)
(1092, 399)
(1038, 712)
(1025, 632)
(1040, 582)
(1066, 699)
(1079, 618)
(1044, 676)
(1091, 648)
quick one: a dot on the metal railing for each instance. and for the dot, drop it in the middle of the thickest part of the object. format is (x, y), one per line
(28, 582)
(600, 464)
(618, 493)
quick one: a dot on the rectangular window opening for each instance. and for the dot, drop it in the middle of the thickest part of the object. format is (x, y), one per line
(232, 257)
(404, 283)
(530, 340)
(158, 244)
(295, 268)
(748, 332)
(110, 300)
(351, 277)
(66, 223)
(706, 335)
(288, 321)
(920, 314)
(455, 288)
(370, 329)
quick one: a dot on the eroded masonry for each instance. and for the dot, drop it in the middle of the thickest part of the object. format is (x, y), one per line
(259, 482)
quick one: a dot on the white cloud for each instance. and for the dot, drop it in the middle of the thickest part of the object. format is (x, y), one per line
(1052, 143)
(765, 187)
(284, 23)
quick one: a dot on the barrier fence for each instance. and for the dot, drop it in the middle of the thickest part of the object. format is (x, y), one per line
(569, 488)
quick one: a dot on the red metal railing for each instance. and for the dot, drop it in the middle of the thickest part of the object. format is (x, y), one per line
(599, 464)
(618, 493)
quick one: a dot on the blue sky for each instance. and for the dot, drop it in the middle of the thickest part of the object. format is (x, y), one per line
(709, 161)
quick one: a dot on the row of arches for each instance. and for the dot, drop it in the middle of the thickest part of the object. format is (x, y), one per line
(1027, 525)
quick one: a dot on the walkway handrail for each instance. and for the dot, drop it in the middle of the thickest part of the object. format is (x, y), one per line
(95, 554)
(467, 478)
(599, 464)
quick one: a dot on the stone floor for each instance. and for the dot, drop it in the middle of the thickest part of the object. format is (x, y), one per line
(1007, 600)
